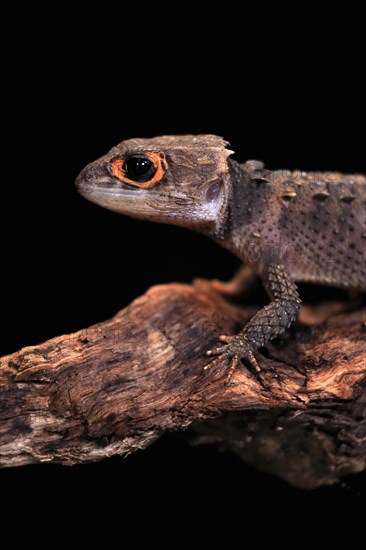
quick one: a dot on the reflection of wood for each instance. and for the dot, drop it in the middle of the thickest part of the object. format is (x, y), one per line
(115, 387)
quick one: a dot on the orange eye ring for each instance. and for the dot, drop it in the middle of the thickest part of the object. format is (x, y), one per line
(160, 166)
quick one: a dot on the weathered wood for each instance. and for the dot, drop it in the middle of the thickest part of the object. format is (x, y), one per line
(115, 387)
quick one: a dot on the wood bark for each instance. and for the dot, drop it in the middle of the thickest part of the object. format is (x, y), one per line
(117, 386)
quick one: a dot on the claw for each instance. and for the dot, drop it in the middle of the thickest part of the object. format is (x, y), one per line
(252, 360)
(212, 363)
(233, 364)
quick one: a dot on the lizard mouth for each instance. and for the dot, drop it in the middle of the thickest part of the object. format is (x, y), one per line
(90, 186)
(110, 193)
(107, 194)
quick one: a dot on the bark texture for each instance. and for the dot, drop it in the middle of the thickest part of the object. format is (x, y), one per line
(117, 386)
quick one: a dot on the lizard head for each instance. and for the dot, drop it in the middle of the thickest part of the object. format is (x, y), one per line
(180, 180)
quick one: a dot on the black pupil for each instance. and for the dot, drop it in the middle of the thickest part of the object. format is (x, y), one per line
(139, 168)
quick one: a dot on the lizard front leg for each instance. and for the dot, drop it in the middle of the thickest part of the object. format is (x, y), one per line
(269, 322)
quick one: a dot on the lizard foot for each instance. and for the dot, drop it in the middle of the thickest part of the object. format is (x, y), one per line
(236, 348)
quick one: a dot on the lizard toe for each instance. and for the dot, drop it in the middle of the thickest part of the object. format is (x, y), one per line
(235, 350)
(217, 351)
(226, 339)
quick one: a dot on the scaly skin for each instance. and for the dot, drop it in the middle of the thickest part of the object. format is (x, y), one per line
(288, 226)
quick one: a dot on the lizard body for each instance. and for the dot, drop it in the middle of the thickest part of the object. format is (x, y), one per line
(288, 226)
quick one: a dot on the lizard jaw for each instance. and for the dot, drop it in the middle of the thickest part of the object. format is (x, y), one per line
(121, 201)
(174, 207)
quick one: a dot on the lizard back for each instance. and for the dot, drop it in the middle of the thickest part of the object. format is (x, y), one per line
(313, 223)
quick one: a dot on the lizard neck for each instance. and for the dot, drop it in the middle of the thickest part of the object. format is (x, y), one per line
(232, 217)
(247, 193)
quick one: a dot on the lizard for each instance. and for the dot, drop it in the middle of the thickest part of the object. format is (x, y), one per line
(286, 226)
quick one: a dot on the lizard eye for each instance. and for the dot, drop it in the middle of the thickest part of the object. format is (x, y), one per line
(140, 169)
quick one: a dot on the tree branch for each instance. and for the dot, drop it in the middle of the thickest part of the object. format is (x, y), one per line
(117, 386)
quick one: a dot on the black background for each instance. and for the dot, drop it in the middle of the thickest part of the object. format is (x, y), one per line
(72, 94)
